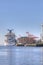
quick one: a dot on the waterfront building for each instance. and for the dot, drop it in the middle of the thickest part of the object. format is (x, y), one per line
(41, 33)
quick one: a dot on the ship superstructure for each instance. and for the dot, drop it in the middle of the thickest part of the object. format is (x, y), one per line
(10, 38)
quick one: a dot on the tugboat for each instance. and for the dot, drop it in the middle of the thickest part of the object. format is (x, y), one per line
(10, 38)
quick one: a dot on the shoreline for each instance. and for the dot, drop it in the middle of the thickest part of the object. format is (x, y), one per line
(24, 45)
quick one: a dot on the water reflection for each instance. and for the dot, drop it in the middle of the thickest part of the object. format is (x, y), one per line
(22, 56)
(29, 56)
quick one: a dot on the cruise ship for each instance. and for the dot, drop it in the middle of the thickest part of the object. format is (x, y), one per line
(10, 38)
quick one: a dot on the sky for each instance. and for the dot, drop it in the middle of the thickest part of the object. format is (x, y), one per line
(22, 16)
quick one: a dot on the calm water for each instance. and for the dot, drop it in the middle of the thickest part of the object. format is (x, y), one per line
(21, 55)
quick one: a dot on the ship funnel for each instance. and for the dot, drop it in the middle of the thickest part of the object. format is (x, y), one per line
(10, 30)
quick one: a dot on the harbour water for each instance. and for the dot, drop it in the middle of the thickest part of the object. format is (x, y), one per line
(21, 55)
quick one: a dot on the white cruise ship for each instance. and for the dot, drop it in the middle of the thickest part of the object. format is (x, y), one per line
(10, 38)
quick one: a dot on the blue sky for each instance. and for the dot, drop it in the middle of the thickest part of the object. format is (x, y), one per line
(21, 15)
